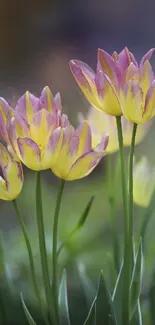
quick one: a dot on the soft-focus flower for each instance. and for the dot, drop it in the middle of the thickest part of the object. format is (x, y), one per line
(32, 126)
(101, 123)
(143, 182)
(73, 153)
(120, 85)
(12, 181)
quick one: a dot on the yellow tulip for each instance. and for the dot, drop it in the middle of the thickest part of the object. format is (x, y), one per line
(12, 181)
(120, 85)
(73, 153)
(143, 182)
(32, 126)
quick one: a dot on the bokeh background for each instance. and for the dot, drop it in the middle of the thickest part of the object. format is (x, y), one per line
(37, 40)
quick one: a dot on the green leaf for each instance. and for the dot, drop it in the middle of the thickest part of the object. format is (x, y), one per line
(152, 298)
(104, 306)
(27, 314)
(88, 287)
(85, 213)
(78, 226)
(91, 315)
(136, 280)
(137, 316)
(63, 301)
(117, 296)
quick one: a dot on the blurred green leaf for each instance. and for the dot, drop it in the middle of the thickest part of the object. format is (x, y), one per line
(79, 224)
(137, 316)
(85, 213)
(63, 301)
(27, 314)
(117, 296)
(91, 315)
(136, 280)
(88, 287)
(104, 305)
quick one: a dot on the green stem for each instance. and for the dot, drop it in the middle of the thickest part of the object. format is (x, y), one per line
(130, 235)
(123, 178)
(42, 246)
(113, 208)
(55, 235)
(125, 206)
(30, 254)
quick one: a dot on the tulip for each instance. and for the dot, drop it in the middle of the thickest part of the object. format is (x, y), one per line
(32, 126)
(120, 85)
(12, 181)
(74, 156)
(144, 182)
(101, 123)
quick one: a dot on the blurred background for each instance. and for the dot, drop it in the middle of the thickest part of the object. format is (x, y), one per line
(38, 38)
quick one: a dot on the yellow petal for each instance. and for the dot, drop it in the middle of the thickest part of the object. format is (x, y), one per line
(84, 166)
(40, 128)
(29, 153)
(14, 177)
(3, 190)
(84, 134)
(132, 103)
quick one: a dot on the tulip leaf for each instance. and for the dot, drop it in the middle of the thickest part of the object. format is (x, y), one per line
(136, 280)
(27, 314)
(137, 316)
(91, 315)
(78, 225)
(152, 298)
(117, 296)
(87, 285)
(104, 306)
(85, 213)
(63, 301)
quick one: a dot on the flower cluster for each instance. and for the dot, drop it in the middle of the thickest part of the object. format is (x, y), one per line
(120, 85)
(40, 136)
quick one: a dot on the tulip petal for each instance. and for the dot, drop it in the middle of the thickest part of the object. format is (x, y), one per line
(47, 101)
(41, 126)
(149, 109)
(53, 148)
(132, 72)
(3, 190)
(146, 76)
(147, 56)
(64, 121)
(4, 110)
(85, 141)
(125, 58)
(5, 156)
(29, 153)
(14, 179)
(27, 105)
(109, 101)
(85, 77)
(84, 165)
(57, 102)
(67, 155)
(143, 178)
(108, 66)
(103, 143)
(132, 102)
